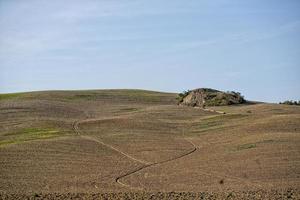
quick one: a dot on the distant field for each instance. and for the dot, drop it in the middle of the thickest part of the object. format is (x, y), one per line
(141, 142)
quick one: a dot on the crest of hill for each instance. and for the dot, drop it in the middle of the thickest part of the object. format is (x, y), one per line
(209, 97)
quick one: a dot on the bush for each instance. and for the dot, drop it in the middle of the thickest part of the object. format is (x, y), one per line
(182, 95)
(289, 102)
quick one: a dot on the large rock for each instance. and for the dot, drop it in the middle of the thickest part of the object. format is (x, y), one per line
(209, 97)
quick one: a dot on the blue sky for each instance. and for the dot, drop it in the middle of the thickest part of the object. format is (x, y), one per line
(251, 46)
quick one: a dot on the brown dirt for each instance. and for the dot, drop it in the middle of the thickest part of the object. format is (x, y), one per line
(250, 150)
(290, 194)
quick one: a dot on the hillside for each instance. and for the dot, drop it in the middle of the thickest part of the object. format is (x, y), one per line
(110, 141)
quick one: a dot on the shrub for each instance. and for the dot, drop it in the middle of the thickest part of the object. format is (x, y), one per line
(289, 102)
(182, 95)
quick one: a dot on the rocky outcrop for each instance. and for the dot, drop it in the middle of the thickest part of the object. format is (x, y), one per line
(209, 97)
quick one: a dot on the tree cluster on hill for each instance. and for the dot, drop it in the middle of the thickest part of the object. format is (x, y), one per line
(289, 102)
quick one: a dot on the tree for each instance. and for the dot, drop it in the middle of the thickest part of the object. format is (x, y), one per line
(182, 95)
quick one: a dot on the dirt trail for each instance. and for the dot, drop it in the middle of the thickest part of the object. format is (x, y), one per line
(76, 129)
(118, 179)
(117, 150)
(144, 163)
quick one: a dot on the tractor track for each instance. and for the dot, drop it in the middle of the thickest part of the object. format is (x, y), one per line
(145, 164)
(76, 129)
(118, 179)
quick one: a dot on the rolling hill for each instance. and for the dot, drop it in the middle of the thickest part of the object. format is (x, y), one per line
(141, 142)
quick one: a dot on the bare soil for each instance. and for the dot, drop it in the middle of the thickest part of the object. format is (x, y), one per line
(134, 144)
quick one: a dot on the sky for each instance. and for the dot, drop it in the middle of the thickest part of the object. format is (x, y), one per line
(250, 46)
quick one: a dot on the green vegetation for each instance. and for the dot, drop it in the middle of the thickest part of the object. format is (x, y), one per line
(28, 134)
(216, 122)
(119, 95)
(10, 96)
(96, 95)
(182, 95)
(222, 99)
(129, 109)
(82, 97)
(207, 124)
(246, 146)
(253, 145)
(289, 102)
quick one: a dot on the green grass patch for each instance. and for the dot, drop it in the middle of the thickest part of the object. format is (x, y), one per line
(7, 142)
(120, 95)
(29, 134)
(225, 117)
(246, 146)
(10, 96)
(128, 109)
(266, 141)
(216, 122)
(88, 97)
(207, 124)
(250, 145)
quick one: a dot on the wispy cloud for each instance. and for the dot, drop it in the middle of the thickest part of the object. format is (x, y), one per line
(34, 27)
(56, 26)
(97, 10)
(237, 38)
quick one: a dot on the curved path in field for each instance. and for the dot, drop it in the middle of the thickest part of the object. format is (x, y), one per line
(76, 129)
(145, 164)
(118, 179)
